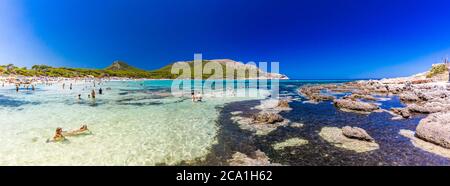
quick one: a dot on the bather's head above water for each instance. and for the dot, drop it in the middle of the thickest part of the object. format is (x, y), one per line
(59, 130)
(83, 127)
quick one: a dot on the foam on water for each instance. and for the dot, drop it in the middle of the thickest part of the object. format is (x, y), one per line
(132, 124)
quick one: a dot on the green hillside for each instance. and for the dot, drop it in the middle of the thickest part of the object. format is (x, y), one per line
(165, 72)
(116, 69)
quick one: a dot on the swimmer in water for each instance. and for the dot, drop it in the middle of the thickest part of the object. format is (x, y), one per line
(82, 130)
(93, 94)
(58, 136)
(193, 96)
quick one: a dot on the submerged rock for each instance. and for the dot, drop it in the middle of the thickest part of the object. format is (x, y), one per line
(293, 142)
(435, 128)
(356, 133)
(424, 145)
(355, 106)
(334, 136)
(258, 158)
(267, 118)
(249, 124)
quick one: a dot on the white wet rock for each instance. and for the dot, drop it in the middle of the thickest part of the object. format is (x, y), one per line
(335, 136)
(236, 113)
(296, 125)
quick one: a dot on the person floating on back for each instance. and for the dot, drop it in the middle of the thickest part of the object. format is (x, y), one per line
(81, 131)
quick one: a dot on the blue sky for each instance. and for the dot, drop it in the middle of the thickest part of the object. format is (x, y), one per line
(311, 39)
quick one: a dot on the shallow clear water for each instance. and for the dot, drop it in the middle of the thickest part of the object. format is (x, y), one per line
(140, 123)
(133, 123)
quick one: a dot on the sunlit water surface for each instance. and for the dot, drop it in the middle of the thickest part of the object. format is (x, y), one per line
(132, 123)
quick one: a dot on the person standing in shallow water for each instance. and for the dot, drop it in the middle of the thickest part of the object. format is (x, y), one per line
(93, 94)
(70, 86)
(64, 85)
(17, 88)
(100, 91)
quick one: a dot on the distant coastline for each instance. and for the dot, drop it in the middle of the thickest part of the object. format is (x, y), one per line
(121, 70)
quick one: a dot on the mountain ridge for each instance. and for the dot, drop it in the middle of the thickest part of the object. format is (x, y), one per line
(121, 68)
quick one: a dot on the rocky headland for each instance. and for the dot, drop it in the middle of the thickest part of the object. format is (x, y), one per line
(427, 93)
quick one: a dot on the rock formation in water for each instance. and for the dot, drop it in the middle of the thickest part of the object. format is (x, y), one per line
(267, 118)
(355, 106)
(258, 158)
(335, 136)
(425, 93)
(356, 133)
(435, 128)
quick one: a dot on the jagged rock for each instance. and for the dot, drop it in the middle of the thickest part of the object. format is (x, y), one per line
(356, 133)
(258, 158)
(435, 128)
(357, 106)
(428, 108)
(267, 117)
(360, 96)
(321, 97)
(409, 97)
(283, 104)
(404, 112)
(313, 93)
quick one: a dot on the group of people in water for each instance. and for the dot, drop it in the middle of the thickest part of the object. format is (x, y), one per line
(26, 86)
(196, 97)
(61, 135)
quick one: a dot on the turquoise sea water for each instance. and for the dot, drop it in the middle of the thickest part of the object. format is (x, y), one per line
(141, 123)
(132, 123)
